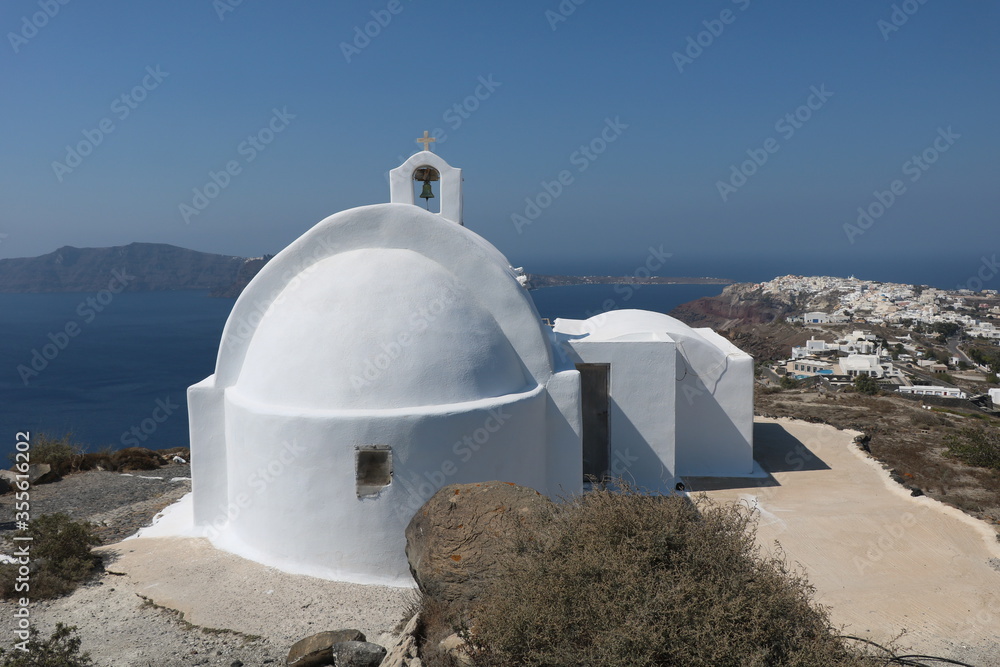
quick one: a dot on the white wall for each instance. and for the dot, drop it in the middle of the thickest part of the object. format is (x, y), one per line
(641, 415)
(715, 409)
(274, 429)
(292, 499)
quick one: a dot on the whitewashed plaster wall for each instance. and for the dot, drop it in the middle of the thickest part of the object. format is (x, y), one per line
(329, 349)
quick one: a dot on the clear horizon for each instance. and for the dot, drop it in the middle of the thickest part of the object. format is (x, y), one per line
(850, 133)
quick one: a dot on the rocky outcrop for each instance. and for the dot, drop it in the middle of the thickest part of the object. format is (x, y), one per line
(137, 267)
(458, 540)
(318, 650)
(251, 267)
(738, 303)
(41, 473)
(404, 651)
(358, 654)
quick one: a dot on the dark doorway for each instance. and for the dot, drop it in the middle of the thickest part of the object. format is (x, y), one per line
(594, 390)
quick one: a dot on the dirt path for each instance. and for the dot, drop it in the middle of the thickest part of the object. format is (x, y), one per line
(884, 561)
(178, 602)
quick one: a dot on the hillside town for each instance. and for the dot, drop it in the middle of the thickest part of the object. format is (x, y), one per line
(915, 340)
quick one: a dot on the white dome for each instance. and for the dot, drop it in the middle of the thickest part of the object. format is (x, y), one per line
(626, 325)
(702, 355)
(378, 328)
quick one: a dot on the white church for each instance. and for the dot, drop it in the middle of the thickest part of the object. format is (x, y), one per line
(390, 351)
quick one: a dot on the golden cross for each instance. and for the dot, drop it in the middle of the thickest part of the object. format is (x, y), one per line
(426, 140)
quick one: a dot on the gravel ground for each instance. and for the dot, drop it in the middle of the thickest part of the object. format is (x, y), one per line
(120, 629)
(119, 503)
(118, 617)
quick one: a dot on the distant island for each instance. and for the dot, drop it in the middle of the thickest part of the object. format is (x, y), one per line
(148, 267)
(537, 281)
(137, 267)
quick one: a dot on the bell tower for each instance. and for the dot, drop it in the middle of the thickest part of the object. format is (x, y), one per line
(421, 166)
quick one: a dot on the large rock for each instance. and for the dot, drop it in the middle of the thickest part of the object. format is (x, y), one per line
(458, 540)
(317, 650)
(358, 654)
(8, 481)
(405, 649)
(41, 473)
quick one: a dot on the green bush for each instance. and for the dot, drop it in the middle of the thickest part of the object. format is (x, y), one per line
(62, 649)
(60, 558)
(623, 580)
(788, 382)
(976, 447)
(59, 453)
(865, 384)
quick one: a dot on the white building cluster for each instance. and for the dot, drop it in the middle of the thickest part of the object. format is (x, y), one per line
(884, 303)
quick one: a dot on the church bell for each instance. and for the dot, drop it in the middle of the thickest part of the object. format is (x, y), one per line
(427, 192)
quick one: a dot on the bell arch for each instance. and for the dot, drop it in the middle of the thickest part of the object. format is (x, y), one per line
(401, 184)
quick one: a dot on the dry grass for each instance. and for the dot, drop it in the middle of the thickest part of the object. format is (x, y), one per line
(911, 441)
(66, 457)
(625, 579)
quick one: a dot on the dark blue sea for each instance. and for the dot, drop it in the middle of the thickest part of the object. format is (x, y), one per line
(115, 374)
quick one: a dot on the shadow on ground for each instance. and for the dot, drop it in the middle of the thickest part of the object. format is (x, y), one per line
(775, 450)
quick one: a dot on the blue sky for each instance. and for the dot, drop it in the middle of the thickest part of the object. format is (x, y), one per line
(349, 109)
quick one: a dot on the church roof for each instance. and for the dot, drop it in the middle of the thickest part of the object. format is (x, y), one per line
(384, 307)
(704, 352)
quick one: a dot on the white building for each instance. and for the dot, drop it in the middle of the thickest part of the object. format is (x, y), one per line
(932, 390)
(995, 397)
(862, 364)
(800, 369)
(623, 357)
(389, 351)
(816, 317)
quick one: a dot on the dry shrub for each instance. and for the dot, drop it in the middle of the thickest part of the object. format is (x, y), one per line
(65, 456)
(135, 458)
(59, 453)
(61, 649)
(438, 620)
(976, 446)
(623, 579)
(927, 419)
(60, 558)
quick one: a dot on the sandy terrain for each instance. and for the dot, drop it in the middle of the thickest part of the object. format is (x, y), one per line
(215, 589)
(125, 618)
(883, 561)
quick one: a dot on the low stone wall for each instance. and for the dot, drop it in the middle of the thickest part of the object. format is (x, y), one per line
(942, 401)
